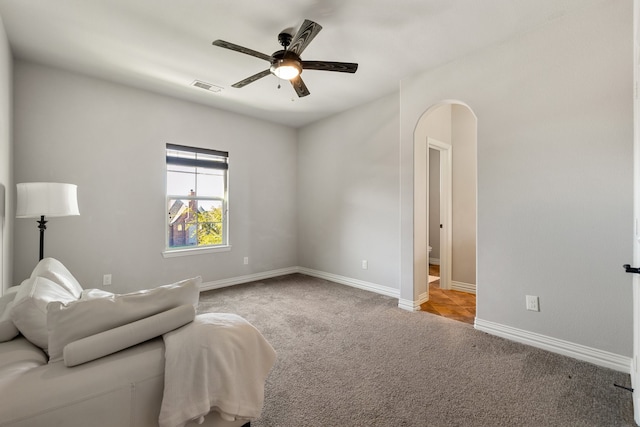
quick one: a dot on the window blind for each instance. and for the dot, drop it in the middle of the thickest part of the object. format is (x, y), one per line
(212, 159)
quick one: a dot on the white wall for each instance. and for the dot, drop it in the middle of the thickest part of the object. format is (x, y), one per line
(555, 133)
(110, 141)
(437, 124)
(348, 206)
(464, 182)
(434, 203)
(6, 164)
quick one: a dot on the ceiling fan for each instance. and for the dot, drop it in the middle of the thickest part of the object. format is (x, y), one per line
(287, 64)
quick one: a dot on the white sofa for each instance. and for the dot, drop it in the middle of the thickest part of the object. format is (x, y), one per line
(72, 357)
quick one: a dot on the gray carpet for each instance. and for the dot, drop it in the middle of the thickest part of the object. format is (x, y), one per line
(348, 357)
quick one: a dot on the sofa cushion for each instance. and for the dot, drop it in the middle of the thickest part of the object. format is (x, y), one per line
(29, 311)
(8, 330)
(18, 356)
(55, 271)
(69, 322)
(123, 389)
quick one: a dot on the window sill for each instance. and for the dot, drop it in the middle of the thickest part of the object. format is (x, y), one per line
(171, 253)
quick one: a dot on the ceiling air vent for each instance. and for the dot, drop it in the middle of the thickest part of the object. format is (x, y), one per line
(206, 86)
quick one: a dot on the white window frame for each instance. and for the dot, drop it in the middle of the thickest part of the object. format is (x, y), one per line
(170, 252)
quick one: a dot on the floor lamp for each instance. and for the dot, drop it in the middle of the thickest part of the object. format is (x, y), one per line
(46, 199)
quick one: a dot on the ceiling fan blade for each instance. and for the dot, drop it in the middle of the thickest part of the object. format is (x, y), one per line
(299, 86)
(308, 30)
(243, 83)
(241, 49)
(341, 67)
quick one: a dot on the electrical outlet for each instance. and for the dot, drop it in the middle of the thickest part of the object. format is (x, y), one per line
(246, 260)
(365, 264)
(106, 280)
(532, 303)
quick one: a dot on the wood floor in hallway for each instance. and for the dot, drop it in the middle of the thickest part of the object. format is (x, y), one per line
(456, 305)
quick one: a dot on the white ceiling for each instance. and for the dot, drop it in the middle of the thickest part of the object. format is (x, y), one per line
(164, 45)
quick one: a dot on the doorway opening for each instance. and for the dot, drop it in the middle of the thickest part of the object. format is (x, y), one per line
(445, 182)
(439, 180)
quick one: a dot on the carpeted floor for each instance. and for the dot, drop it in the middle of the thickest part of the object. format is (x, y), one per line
(348, 357)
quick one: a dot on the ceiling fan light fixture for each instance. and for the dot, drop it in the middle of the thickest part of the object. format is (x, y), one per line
(286, 69)
(286, 63)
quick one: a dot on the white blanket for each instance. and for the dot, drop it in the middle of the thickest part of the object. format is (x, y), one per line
(218, 362)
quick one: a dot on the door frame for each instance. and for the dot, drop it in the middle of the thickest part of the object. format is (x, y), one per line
(446, 209)
(635, 369)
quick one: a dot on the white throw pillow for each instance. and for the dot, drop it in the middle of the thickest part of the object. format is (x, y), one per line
(8, 330)
(29, 311)
(95, 293)
(100, 311)
(55, 271)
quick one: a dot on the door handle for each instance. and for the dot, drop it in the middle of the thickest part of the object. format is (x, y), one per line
(630, 269)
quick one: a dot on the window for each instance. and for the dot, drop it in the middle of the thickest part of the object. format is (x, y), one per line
(196, 198)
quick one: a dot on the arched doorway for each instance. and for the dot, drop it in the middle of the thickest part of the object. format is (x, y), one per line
(453, 124)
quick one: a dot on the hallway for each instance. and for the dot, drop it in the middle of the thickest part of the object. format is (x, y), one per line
(456, 305)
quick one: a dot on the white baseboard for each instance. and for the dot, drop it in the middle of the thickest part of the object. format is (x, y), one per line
(343, 280)
(463, 287)
(434, 261)
(424, 297)
(217, 284)
(566, 348)
(409, 305)
(355, 283)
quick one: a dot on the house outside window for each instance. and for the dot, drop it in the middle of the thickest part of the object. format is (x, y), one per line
(197, 199)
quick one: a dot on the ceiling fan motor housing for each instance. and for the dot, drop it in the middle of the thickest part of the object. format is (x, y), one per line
(284, 58)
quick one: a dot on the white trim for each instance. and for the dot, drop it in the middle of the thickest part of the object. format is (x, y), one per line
(566, 348)
(434, 261)
(577, 351)
(635, 373)
(424, 297)
(409, 305)
(355, 283)
(171, 253)
(463, 287)
(223, 283)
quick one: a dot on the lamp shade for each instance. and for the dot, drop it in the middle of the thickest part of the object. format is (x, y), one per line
(50, 199)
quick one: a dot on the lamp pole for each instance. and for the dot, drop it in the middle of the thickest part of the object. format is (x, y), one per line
(42, 227)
